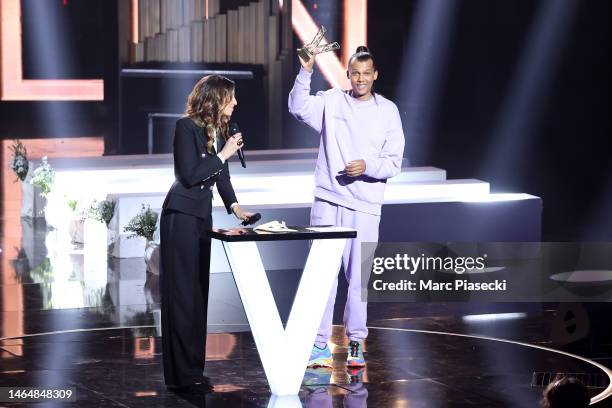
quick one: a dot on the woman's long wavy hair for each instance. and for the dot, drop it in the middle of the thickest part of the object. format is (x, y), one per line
(205, 105)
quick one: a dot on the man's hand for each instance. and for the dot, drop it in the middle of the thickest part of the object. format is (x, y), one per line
(308, 66)
(355, 168)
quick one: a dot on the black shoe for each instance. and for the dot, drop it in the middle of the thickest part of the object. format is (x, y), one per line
(203, 387)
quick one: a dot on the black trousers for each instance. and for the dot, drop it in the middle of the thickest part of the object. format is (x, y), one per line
(185, 259)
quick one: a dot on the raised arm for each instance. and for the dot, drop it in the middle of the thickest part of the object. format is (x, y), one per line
(388, 162)
(303, 106)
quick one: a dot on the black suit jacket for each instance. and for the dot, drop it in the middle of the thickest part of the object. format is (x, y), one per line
(196, 172)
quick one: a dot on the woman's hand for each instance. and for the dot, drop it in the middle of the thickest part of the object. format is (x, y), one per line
(232, 144)
(240, 214)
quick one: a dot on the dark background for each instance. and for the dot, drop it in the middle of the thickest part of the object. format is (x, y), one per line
(563, 155)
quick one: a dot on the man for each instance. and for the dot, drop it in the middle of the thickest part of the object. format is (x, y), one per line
(362, 144)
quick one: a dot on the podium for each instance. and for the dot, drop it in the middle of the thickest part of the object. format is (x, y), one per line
(285, 352)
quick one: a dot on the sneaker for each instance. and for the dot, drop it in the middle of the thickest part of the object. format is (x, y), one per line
(354, 374)
(355, 354)
(320, 357)
(316, 378)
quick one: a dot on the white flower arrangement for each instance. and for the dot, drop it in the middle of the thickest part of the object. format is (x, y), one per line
(43, 177)
(19, 162)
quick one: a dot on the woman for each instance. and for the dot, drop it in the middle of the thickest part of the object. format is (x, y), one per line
(201, 150)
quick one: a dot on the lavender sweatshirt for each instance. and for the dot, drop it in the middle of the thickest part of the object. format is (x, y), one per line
(350, 130)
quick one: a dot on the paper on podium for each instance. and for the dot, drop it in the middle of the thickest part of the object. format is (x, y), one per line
(273, 226)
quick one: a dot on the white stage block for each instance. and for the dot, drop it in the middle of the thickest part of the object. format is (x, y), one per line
(125, 247)
(95, 233)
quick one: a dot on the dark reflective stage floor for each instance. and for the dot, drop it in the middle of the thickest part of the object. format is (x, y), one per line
(67, 321)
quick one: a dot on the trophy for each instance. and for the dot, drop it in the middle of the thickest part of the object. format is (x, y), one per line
(308, 50)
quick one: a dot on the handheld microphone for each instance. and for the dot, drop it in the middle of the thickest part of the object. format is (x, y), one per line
(233, 129)
(256, 217)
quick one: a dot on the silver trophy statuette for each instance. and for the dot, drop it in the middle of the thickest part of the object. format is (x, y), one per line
(308, 50)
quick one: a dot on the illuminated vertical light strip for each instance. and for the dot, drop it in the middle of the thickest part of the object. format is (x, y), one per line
(134, 13)
(12, 85)
(11, 203)
(12, 291)
(306, 29)
(134, 37)
(355, 31)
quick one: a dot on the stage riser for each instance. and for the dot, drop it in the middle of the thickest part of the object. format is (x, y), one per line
(428, 220)
(518, 220)
(128, 205)
(256, 176)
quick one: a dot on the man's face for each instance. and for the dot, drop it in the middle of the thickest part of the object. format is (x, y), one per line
(362, 75)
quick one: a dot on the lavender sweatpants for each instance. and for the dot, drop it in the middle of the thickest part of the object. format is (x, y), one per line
(355, 311)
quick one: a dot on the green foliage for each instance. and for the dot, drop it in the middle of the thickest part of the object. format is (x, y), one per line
(102, 211)
(43, 177)
(143, 224)
(107, 210)
(73, 204)
(43, 273)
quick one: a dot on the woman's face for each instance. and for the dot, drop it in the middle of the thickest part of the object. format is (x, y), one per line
(228, 109)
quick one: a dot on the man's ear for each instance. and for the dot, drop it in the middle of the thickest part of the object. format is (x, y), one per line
(375, 75)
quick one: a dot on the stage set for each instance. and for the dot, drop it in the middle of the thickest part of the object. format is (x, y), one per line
(497, 151)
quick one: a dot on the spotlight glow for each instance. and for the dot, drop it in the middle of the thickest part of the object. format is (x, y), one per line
(497, 197)
(480, 318)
